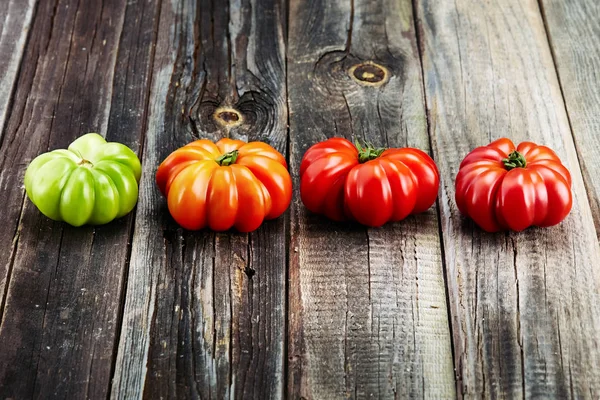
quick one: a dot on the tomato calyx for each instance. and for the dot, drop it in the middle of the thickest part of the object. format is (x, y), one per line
(227, 158)
(367, 152)
(514, 160)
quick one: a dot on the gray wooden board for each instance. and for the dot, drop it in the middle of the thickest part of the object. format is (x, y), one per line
(368, 314)
(15, 22)
(205, 313)
(573, 28)
(524, 309)
(62, 301)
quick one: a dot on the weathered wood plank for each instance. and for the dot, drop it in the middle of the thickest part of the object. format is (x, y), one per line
(524, 305)
(204, 312)
(63, 300)
(368, 314)
(574, 32)
(15, 21)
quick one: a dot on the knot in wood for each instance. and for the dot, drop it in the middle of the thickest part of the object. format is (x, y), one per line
(369, 74)
(228, 117)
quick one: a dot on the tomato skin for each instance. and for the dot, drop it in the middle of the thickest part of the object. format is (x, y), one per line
(397, 183)
(497, 198)
(202, 193)
(92, 182)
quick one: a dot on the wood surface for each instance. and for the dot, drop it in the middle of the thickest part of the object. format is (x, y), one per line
(62, 298)
(15, 21)
(573, 29)
(367, 306)
(303, 308)
(205, 313)
(523, 305)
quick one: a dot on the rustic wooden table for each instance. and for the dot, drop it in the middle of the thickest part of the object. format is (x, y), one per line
(430, 307)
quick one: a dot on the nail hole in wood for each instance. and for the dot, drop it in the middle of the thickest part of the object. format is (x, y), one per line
(228, 117)
(369, 74)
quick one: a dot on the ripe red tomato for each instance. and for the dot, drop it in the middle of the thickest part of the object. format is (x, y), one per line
(502, 187)
(223, 185)
(372, 186)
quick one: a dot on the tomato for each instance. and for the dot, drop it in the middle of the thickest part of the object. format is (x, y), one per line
(93, 182)
(224, 185)
(344, 181)
(502, 187)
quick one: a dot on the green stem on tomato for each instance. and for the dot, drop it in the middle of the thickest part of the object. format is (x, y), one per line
(227, 158)
(367, 152)
(514, 160)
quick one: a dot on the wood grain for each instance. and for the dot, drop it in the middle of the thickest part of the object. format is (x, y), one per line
(368, 313)
(204, 312)
(523, 305)
(63, 296)
(573, 28)
(15, 21)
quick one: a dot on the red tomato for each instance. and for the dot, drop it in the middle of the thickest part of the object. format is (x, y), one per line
(502, 187)
(371, 186)
(223, 185)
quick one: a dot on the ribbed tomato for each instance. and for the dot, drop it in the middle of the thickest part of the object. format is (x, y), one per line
(91, 182)
(224, 185)
(503, 187)
(344, 181)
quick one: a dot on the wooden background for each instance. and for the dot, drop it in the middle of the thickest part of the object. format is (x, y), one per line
(431, 307)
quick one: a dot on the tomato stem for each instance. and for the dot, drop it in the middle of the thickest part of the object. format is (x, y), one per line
(227, 158)
(367, 152)
(514, 160)
(83, 161)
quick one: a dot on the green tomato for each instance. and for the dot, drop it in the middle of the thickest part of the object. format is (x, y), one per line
(93, 182)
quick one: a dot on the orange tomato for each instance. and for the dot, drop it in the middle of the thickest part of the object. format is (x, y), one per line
(226, 184)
